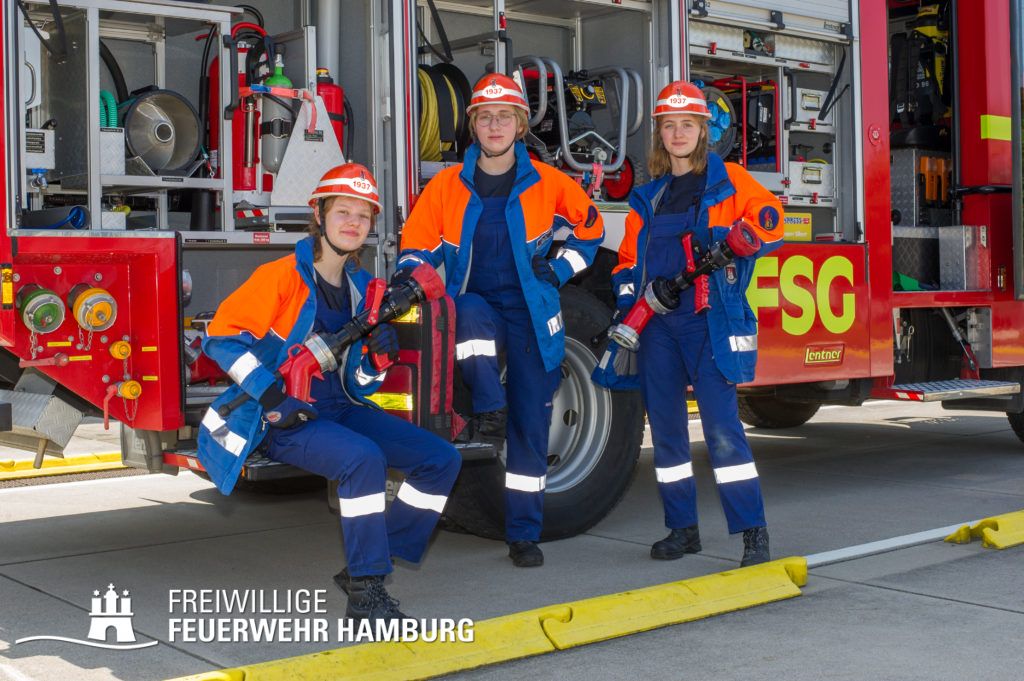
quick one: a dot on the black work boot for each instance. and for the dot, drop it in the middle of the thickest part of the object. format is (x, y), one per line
(755, 546)
(343, 580)
(491, 426)
(525, 554)
(677, 544)
(369, 600)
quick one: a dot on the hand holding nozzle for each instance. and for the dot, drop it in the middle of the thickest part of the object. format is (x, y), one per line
(321, 352)
(662, 295)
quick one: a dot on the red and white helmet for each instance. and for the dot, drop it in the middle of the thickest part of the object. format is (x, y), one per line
(497, 88)
(348, 179)
(681, 97)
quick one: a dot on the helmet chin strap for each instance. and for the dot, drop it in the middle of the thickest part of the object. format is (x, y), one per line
(323, 233)
(501, 153)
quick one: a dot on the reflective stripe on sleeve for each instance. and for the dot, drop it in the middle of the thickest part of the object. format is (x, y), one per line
(409, 258)
(359, 506)
(422, 500)
(242, 367)
(674, 473)
(575, 260)
(525, 483)
(218, 427)
(743, 343)
(364, 379)
(212, 420)
(233, 442)
(744, 471)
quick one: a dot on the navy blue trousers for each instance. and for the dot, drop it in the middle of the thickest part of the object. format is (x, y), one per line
(675, 351)
(355, 445)
(486, 325)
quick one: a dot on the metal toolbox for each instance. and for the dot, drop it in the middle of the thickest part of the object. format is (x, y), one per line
(954, 257)
(915, 253)
(809, 179)
(806, 104)
(965, 260)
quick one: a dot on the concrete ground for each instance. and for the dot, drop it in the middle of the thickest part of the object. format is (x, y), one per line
(850, 476)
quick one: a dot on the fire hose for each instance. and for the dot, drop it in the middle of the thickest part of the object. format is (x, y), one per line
(663, 294)
(322, 352)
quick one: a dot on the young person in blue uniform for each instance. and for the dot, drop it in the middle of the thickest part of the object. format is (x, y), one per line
(342, 436)
(489, 221)
(708, 342)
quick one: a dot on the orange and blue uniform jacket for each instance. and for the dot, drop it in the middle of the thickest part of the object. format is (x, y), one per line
(440, 231)
(730, 193)
(249, 337)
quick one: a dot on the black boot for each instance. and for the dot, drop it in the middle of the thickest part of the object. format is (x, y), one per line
(369, 600)
(343, 581)
(525, 554)
(755, 546)
(677, 544)
(491, 426)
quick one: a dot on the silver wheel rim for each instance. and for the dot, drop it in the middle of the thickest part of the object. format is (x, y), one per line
(581, 418)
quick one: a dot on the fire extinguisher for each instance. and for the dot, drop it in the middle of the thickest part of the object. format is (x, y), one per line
(245, 119)
(334, 101)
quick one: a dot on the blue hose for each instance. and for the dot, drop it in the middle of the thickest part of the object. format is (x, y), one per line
(76, 218)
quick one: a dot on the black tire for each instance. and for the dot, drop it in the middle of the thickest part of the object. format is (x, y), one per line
(598, 446)
(768, 411)
(1017, 423)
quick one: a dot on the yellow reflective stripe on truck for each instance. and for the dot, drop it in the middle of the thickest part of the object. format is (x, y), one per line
(996, 128)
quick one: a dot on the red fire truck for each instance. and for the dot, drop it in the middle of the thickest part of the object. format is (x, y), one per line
(157, 151)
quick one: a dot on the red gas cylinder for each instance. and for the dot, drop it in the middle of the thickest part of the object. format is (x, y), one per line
(245, 120)
(334, 101)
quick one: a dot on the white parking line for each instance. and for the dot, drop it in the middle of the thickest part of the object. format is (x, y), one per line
(9, 673)
(76, 483)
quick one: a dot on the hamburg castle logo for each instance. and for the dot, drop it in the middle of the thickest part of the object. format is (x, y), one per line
(110, 612)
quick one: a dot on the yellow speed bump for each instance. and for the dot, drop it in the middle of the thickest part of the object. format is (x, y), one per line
(84, 463)
(535, 632)
(997, 532)
(630, 612)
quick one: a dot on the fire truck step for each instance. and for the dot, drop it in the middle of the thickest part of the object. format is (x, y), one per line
(476, 451)
(257, 468)
(936, 391)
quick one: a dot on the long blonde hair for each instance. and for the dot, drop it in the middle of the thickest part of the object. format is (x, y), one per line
(660, 163)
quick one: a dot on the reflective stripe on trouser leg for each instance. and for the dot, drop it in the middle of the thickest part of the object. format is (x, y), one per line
(479, 335)
(530, 389)
(330, 449)
(663, 381)
(430, 466)
(738, 485)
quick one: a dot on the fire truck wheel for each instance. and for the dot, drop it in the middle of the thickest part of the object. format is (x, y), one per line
(1017, 423)
(593, 445)
(768, 411)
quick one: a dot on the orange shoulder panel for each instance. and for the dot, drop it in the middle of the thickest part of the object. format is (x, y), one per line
(558, 194)
(438, 212)
(751, 201)
(269, 299)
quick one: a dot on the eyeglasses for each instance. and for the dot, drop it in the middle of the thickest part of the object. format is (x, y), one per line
(504, 119)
